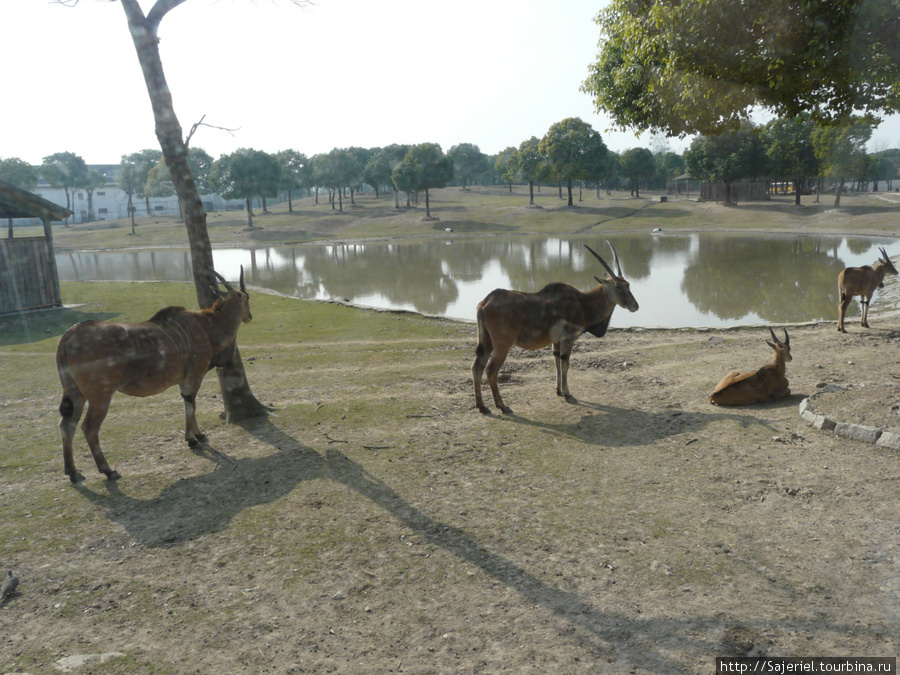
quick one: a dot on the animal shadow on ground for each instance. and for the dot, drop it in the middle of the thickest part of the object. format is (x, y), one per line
(613, 426)
(198, 505)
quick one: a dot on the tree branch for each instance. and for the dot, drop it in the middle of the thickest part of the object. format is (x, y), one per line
(201, 123)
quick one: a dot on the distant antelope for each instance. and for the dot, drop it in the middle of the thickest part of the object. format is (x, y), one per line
(757, 386)
(95, 359)
(862, 281)
(557, 314)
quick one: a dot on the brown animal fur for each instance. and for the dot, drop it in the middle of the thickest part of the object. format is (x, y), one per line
(557, 314)
(95, 359)
(862, 281)
(757, 386)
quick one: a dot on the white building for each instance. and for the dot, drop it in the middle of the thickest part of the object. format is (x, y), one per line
(110, 202)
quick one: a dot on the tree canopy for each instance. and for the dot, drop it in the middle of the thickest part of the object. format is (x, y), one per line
(425, 166)
(18, 172)
(245, 174)
(728, 157)
(700, 66)
(574, 151)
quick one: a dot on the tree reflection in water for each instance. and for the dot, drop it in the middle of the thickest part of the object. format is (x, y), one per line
(695, 279)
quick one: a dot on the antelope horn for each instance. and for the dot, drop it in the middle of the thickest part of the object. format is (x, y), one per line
(223, 280)
(602, 261)
(774, 337)
(787, 338)
(243, 287)
(615, 258)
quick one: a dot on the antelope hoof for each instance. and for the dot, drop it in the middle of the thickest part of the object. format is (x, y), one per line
(505, 410)
(112, 474)
(75, 477)
(484, 410)
(571, 399)
(193, 442)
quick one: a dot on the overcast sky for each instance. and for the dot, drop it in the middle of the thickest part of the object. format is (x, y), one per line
(337, 73)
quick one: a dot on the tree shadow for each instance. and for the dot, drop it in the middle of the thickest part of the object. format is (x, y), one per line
(35, 325)
(203, 504)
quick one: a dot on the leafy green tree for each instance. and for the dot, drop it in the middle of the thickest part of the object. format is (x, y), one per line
(669, 165)
(295, 168)
(356, 161)
(319, 172)
(159, 182)
(728, 157)
(128, 183)
(134, 174)
(505, 165)
(698, 66)
(611, 167)
(93, 179)
(638, 164)
(244, 174)
(531, 164)
(469, 162)
(64, 170)
(405, 180)
(841, 150)
(381, 165)
(141, 164)
(425, 167)
(336, 171)
(789, 146)
(574, 151)
(881, 168)
(19, 173)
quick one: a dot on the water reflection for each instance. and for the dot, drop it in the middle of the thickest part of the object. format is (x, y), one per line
(708, 279)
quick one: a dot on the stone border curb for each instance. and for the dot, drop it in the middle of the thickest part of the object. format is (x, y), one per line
(853, 432)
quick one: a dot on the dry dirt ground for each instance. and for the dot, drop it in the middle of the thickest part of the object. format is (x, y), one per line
(375, 529)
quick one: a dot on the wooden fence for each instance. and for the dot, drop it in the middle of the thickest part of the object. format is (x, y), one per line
(740, 192)
(27, 275)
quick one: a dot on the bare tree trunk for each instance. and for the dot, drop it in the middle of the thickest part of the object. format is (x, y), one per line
(240, 403)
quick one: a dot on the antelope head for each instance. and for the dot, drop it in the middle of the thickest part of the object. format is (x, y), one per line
(782, 349)
(246, 316)
(617, 287)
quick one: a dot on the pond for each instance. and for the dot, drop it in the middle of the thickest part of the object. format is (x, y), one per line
(680, 280)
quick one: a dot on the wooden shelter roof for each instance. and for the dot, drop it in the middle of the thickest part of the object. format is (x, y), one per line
(18, 203)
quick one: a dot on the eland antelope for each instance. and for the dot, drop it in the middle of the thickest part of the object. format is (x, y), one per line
(862, 281)
(557, 314)
(95, 359)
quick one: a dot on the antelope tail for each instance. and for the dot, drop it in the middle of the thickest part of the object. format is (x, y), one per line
(66, 406)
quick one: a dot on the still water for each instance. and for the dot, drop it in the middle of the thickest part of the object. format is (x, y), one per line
(700, 279)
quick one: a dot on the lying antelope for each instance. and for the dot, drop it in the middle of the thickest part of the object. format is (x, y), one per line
(757, 386)
(557, 314)
(95, 359)
(862, 281)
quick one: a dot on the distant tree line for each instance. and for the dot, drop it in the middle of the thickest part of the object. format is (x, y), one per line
(806, 154)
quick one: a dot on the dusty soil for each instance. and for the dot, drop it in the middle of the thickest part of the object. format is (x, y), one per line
(376, 529)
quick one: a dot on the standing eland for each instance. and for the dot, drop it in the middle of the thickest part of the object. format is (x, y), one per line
(95, 359)
(557, 314)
